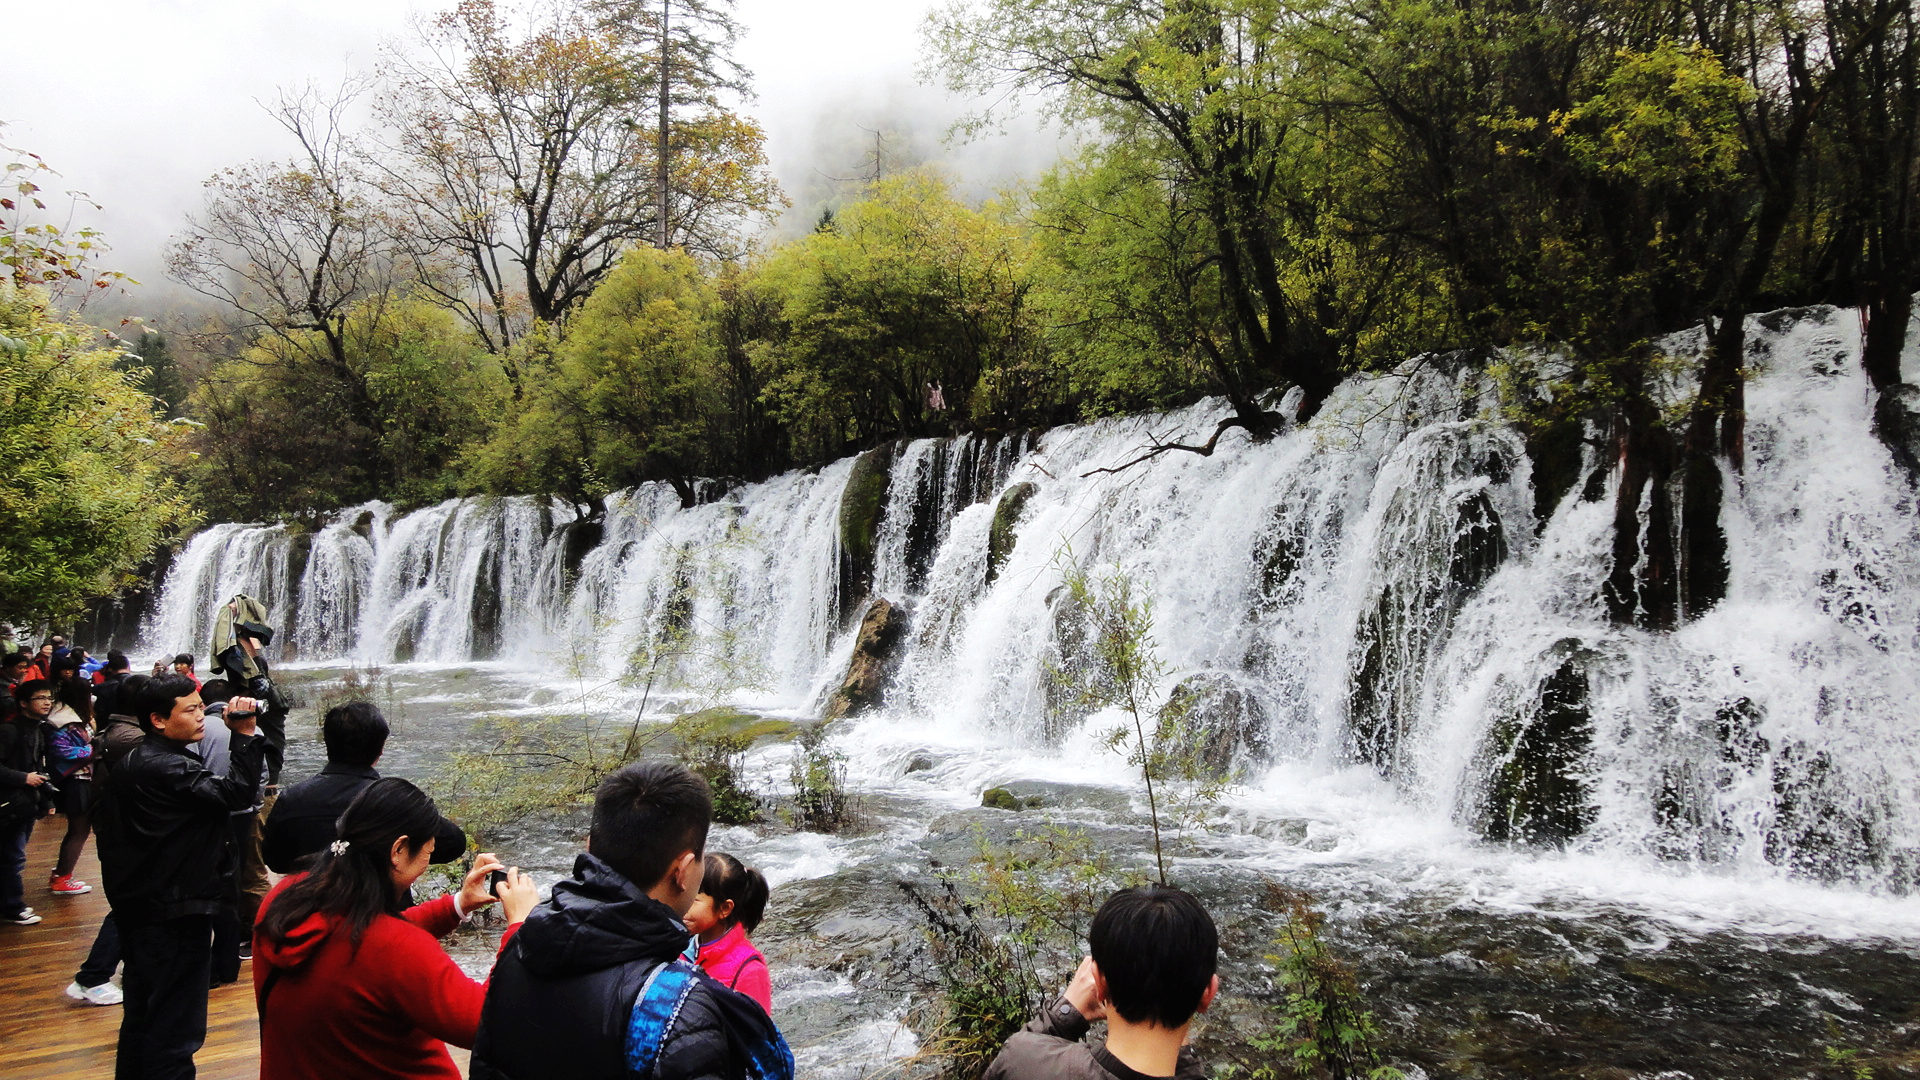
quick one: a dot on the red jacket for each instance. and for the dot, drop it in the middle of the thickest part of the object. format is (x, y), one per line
(385, 1009)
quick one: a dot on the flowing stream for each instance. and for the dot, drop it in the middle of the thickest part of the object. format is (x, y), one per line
(1550, 844)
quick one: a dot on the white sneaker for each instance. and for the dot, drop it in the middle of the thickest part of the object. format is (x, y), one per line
(25, 918)
(104, 994)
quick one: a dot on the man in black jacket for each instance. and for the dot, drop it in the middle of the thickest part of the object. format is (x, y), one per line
(163, 851)
(23, 782)
(302, 819)
(598, 983)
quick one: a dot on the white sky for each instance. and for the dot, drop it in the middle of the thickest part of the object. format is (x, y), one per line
(136, 102)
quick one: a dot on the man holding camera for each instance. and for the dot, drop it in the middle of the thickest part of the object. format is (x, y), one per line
(163, 855)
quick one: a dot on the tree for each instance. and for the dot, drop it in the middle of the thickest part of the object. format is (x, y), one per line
(152, 362)
(60, 257)
(525, 170)
(1199, 80)
(84, 499)
(908, 287)
(631, 393)
(284, 431)
(292, 247)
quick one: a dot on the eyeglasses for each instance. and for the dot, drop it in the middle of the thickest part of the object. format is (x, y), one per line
(38, 698)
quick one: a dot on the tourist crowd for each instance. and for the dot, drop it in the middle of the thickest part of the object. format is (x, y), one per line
(638, 964)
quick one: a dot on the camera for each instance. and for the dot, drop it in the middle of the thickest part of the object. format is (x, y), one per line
(494, 881)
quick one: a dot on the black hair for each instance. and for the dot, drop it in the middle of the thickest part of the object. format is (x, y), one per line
(68, 662)
(728, 879)
(161, 694)
(1157, 948)
(16, 658)
(645, 815)
(29, 687)
(215, 691)
(76, 693)
(117, 661)
(184, 658)
(357, 884)
(355, 733)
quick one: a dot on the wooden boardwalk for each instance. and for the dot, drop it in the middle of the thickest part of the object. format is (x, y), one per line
(45, 1034)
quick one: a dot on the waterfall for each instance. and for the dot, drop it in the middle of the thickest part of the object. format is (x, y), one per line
(1379, 589)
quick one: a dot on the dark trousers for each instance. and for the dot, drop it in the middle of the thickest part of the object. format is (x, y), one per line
(103, 958)
(13, 864)
(164, 1018)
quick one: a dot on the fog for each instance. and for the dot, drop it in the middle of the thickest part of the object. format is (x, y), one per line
(137, 102)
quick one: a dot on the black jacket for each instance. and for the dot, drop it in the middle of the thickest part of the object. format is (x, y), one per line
(303, 817)
(23, 750)
(562, 991)
(163, 837)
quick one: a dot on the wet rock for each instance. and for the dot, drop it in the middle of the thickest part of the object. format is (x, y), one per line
(1535, 790)
(577, 538)
(920, 763)
(862, 504)
(1896, 419)
(1220, 721)
(872, 665)
(727, 721)
(999, 798)
(1006, 518)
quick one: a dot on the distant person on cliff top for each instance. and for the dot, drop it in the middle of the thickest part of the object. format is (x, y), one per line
(1154, 952)
(302, 820)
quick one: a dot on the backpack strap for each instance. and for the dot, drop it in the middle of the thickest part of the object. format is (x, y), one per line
(654, 1013)
(734, 983)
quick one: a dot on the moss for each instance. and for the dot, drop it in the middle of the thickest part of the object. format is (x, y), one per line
(999, 798)
(725, 720)
(863, 502)
(1006, 517)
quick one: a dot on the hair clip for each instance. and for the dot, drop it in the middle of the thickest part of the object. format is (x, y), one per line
(338, 847)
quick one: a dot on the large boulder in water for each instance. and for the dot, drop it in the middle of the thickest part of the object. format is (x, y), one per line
(863, 502)
(1219, 722)
(1006, 518)
(1536, 789)
(871, 669)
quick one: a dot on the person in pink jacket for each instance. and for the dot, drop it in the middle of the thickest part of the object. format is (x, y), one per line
(731, 902)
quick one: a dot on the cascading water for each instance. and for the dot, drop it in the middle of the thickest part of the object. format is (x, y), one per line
(1371, 589)
(1511, 806)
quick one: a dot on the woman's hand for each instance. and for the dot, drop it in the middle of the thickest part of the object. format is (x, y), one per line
(518, 894)
(473, 891)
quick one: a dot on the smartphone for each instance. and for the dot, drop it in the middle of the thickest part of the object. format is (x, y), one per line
(495, 880)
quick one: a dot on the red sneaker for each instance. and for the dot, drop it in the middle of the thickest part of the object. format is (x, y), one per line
(67, 886)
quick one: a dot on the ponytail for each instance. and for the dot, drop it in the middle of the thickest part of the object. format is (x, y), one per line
(727, 879)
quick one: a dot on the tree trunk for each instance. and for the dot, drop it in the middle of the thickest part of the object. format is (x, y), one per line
(1641, 590)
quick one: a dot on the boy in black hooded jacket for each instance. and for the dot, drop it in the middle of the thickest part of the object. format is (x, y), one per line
(598, 983)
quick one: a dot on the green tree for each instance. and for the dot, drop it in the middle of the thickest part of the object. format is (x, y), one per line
(286, 432)
(908, 287)
(83, 499)
(152, 362)
(630, 394)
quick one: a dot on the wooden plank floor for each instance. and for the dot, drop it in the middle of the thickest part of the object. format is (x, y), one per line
(44, 1033)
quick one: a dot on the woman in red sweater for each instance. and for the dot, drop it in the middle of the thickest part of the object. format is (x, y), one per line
(348, 982)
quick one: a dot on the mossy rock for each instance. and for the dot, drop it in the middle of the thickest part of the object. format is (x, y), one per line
(863, 502)
(725, 720)
(1006, 518)
(999, 798)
